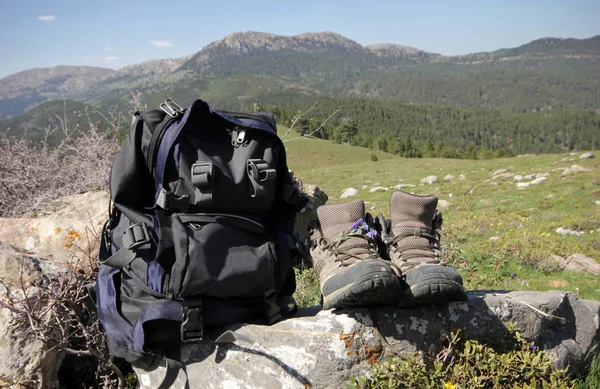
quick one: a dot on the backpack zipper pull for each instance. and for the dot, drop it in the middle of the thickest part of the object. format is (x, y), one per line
(241, 136)
(234, 136)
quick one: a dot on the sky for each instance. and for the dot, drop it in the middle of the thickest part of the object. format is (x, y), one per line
(113, 34)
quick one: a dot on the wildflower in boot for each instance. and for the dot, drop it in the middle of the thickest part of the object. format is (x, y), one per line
(345, 256)
(413, 238)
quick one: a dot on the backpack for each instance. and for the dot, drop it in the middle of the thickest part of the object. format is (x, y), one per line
(201, 230)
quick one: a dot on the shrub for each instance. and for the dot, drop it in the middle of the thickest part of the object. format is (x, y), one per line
(31, 175)
(470, 364)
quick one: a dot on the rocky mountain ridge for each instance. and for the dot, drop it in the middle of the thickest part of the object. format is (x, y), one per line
(270, 55)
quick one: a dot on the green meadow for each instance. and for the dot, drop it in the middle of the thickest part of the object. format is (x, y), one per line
(498, 235)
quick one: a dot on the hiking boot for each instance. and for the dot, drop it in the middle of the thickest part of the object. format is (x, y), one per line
(346, 260)
(413, 238)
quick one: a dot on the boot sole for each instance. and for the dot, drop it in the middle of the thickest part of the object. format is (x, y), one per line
(375, 284)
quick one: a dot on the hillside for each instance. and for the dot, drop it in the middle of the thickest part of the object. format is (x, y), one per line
(545, 73)
(499, 227)
(53, 116)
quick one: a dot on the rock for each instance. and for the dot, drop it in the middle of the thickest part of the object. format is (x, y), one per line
(534, 182)
(502, 176)
(364, 187)
(349, 192)
(443, 204)
(494, 238)
(518, 178)
(575, 169)
(24, 357)
(565, 231)
(462, 177)
(66, 234)
(449, 177)
(586, 155)
(578, 263)
(499, 171)
(429, 180)
(597, 202)
(379, 189)
(316, 198)
(324, 349)
(402, 186)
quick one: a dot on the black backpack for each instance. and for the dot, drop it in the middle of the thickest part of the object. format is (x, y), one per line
(200, 230)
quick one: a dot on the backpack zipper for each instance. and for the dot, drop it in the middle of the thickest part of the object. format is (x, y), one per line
(173, 110)
(244, 115)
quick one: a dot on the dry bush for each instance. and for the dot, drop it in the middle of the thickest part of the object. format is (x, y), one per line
(31, 176)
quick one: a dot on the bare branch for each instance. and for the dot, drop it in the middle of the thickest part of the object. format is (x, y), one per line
(315, 131)
(298, 117)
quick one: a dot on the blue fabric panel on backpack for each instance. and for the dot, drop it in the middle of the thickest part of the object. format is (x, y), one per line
(155, 276)
(167, 310)
(251, 123)
(165, 147)
(118, 329)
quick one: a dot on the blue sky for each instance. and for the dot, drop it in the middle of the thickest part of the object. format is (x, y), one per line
(111, 33)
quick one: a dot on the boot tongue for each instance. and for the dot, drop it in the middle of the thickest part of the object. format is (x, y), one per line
(411, 215)
(339, 219)
(410, 211)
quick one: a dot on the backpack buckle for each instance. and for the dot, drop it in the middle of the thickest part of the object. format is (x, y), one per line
(171, 108)
(136, 235)
(192, 326)
(260, 176)
(202, 174)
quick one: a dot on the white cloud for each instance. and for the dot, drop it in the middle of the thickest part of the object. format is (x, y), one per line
(161, 43)
(46, 18)
(109, 48)
(111, 58)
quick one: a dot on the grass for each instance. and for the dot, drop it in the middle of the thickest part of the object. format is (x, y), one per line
(498, 236)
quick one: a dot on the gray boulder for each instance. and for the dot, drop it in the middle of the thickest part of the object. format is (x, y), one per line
(316, 198)
(323, 349)
(25, 358)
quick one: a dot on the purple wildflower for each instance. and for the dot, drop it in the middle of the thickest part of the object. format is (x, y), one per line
(534, 347)
(358, 224)
(512, 275)
(506, 283)
(372, 234)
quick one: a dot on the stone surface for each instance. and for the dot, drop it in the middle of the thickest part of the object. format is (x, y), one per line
(316, 198)
(65, 235)
(429, 180)
(577, 263)
(575, 169)
(349, 192)
(323, 349)
(566, 231)
(586, 155)
(443, 204)
(403, 186)
(378, 189)
(24, 358)
(449, 177)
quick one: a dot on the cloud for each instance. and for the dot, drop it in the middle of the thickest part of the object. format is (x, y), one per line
(46, 18)
(109, 48)
(161, 43)
(111, 58)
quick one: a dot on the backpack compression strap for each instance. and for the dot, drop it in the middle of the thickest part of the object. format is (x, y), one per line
(135, 236)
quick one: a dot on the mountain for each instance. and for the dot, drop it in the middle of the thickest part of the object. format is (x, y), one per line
(52, 116)
(246, 66)
(25, 89)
